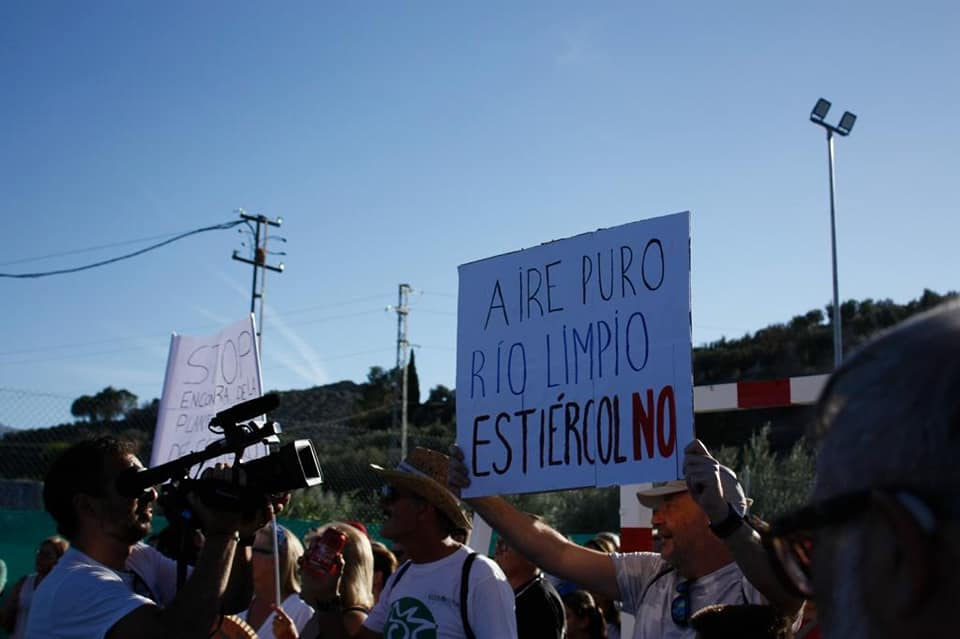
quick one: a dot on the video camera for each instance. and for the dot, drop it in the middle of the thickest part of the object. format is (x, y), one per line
(292, 466)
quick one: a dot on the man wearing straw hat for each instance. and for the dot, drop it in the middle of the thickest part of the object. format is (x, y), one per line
(444, 590)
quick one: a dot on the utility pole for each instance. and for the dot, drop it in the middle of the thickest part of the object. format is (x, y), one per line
(256, 223)
(403, 347)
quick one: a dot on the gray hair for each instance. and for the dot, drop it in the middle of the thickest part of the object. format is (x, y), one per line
(890, 415)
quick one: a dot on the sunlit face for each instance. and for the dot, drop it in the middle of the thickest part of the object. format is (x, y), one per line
(679, 523)
(123, 518)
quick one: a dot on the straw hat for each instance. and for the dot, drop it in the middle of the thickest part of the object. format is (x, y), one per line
(233, 627)
(424, 472)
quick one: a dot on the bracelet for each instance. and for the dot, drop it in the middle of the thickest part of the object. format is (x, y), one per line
(729, 525)
(362, 609)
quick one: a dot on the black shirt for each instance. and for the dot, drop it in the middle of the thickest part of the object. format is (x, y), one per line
(540, 611)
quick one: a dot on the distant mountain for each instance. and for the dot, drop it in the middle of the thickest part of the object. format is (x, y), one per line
(4, 429)
(332, 402)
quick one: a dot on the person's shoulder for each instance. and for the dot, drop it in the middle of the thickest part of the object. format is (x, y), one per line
(548, 587)
(483, 565)
(639, 561)
(143, 556)
(141, 549)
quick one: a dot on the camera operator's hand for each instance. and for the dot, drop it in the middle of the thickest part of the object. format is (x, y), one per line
(273, 505)
(214, 521)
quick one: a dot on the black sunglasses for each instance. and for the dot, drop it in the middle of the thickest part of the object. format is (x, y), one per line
(389, 492)
(789, 540)
(680, 606)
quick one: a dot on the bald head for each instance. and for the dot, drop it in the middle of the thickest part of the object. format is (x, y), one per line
(890, 415)
(888, 422)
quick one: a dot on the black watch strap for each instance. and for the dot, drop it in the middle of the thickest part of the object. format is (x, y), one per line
(729, 525)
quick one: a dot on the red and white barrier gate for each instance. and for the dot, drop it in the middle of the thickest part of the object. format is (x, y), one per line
(635, 527)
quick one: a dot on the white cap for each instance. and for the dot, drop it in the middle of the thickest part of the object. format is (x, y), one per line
(732, 491)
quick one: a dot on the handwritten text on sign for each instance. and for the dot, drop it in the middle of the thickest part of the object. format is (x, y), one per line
(205, 375)
(573, 360)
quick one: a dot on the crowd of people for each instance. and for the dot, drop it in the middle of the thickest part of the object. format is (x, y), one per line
(876, 550)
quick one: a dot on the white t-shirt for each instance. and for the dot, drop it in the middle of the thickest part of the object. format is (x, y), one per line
(426, 602)
(23, 606)
(648, 586)
(297, 609)
(82, 598)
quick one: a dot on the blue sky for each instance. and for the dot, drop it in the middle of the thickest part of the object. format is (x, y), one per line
(399, 140)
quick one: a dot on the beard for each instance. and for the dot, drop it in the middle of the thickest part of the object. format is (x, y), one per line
(842, 615)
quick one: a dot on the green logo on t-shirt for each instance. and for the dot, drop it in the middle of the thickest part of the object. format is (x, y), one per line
(409, 619)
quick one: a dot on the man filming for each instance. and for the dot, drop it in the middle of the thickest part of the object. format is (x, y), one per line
(109, 584)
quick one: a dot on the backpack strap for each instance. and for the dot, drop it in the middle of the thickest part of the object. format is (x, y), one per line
(464, 589)
(402, 569)
(464, 586)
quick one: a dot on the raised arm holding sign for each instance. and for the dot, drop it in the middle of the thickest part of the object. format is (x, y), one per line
(574, 369)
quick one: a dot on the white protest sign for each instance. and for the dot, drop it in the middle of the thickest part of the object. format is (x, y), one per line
(206, 375)
(574, 361)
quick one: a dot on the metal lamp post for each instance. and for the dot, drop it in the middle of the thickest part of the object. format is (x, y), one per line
(842, 128)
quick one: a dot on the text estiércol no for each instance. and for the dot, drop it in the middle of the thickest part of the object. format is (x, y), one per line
(598, 422)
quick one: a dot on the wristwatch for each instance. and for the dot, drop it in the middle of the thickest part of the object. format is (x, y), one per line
(729, 525)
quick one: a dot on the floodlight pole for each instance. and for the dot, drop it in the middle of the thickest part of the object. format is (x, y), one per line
(843, 128)
(837, 334)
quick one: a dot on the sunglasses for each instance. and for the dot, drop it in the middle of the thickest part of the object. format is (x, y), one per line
(790, 540)
(680, 610)
(388, 493)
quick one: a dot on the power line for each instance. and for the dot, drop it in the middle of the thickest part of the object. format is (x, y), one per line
(216, 227)
(166, 335)
(88, 249)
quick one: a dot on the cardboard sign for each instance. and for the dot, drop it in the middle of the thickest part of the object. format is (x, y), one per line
(574, 361)
(206, 375)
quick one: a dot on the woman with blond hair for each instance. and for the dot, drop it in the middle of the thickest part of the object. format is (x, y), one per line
(14, 614)
(261, 614)
(341, 592)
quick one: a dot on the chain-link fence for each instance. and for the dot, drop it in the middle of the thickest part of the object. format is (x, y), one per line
(345, 446)
(348, 442)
